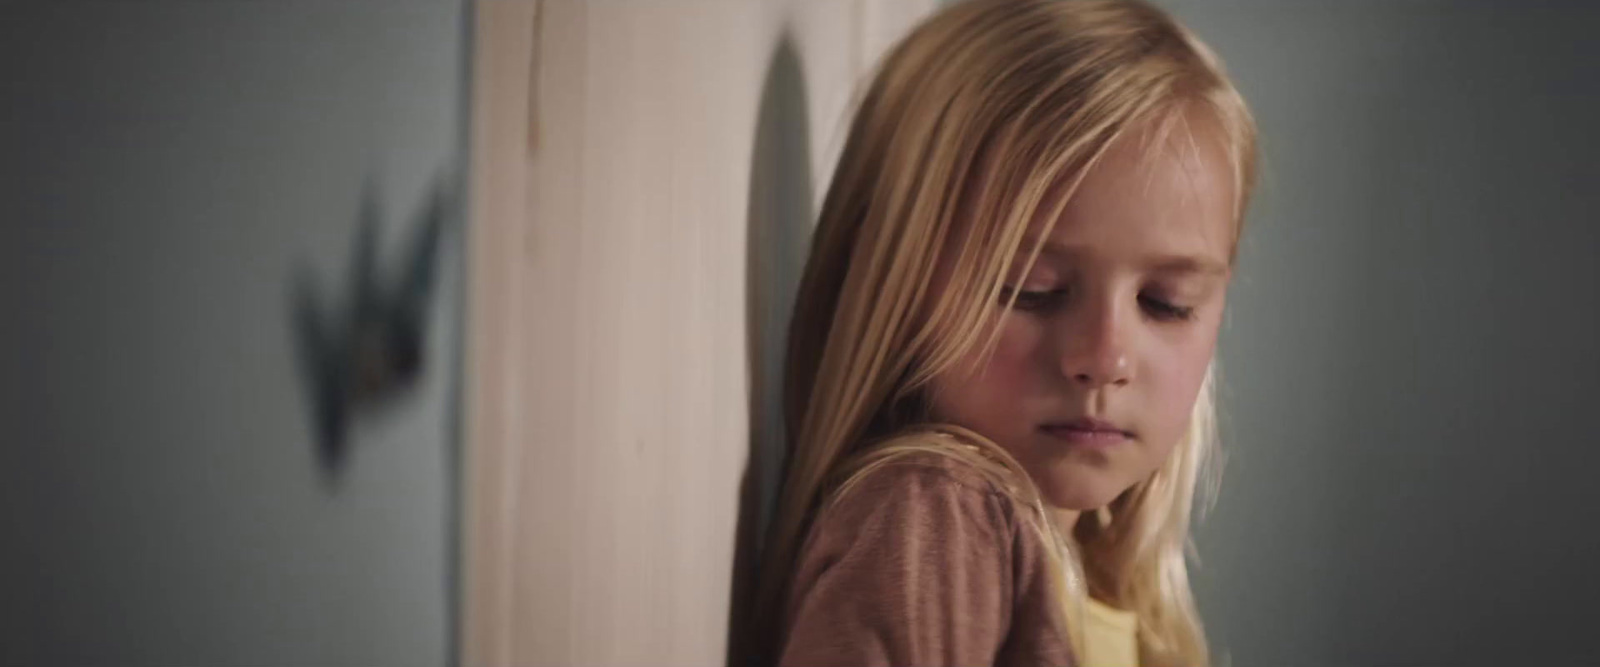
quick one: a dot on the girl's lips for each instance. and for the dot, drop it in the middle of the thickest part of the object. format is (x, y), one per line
(1089, 432)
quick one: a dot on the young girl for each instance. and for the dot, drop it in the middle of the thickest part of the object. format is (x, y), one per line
(999, 389)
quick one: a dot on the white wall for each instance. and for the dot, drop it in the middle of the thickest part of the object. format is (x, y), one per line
(625, 315)
(167, 166)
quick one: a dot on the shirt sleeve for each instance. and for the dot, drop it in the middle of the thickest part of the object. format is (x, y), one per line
(911, 567)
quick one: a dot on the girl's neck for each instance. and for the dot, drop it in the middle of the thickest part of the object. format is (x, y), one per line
(1065, 519)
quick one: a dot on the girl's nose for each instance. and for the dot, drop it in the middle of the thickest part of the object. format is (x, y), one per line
(1096, 352)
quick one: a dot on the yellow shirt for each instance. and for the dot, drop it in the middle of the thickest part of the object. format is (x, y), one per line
(1110, 636)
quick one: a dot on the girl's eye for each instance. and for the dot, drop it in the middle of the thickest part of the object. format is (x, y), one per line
(1032, 300)
(1165, 310)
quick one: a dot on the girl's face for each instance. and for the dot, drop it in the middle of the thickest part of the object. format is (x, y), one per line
(1096, 370)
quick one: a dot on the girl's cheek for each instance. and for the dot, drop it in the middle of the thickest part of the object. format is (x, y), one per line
(1183, 369)
(1017, 349)
(1004, 376)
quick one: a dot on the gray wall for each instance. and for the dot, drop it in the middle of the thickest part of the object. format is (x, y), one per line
(168, 167)
(1411, 359)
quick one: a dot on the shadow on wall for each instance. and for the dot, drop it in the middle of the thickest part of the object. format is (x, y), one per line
(779, 236)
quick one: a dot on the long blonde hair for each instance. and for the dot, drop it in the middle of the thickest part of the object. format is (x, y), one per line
(969, 127)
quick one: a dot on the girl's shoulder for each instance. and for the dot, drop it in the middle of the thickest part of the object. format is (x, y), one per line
(934, 491)
(940, 461)
(919, 539)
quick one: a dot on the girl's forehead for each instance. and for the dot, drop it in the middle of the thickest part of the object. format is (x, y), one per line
(1151, 193)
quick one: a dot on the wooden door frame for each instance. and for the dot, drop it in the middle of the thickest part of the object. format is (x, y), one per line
(504, 41)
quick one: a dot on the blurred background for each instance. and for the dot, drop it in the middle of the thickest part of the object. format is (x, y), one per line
(430, 332)
(188, 190)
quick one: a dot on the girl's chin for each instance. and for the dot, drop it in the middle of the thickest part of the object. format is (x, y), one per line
(1078, 490)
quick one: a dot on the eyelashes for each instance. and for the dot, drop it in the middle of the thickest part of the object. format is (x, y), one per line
(1166, 310)
(1046, 301)
(1033, 301)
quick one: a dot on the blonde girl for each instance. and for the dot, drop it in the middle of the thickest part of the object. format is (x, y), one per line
(999, 378)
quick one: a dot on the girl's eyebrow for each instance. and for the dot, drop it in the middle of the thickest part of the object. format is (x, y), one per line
(1162, 263)
(1187, 264)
